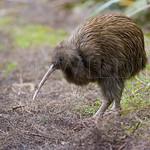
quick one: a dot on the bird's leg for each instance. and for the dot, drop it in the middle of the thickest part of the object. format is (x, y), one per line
(112, 90)
(116, 105)
(104, 106)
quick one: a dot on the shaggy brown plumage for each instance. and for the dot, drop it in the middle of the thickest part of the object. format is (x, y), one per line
(105, 49)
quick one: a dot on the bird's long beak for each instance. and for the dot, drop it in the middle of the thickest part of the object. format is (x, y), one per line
(45, 77)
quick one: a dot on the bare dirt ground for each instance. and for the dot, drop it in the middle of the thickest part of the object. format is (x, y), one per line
(51, 121)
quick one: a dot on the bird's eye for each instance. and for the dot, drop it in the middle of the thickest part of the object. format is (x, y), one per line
(60, 59)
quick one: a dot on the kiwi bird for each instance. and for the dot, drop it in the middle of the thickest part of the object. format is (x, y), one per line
(107, 50)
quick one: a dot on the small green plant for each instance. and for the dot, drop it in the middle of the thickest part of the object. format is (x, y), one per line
(10, 67)
(89, 110)
(44, 120)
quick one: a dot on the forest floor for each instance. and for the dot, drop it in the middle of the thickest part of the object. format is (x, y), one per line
(59, 119)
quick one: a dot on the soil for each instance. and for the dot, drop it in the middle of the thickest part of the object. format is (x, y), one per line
(51, 121)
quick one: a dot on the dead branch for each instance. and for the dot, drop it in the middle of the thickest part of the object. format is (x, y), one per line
(17, 107)
(136, 127)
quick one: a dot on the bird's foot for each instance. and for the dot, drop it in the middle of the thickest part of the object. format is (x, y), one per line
(115, 112)
(109, 114)
(98, 117)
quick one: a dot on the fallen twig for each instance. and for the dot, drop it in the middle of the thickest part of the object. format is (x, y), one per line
(122, 147)
(35, 134)
(16, 107)
(136, 127)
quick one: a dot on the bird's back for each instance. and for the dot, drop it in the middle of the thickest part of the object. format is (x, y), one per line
(113, 39)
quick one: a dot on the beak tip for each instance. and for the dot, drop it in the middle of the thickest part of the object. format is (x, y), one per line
(33, 98)
(51, 69)
(35, 94)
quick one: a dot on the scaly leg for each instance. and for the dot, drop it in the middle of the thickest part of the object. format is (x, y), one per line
(104, 106)
(112, 90)
(116, 106)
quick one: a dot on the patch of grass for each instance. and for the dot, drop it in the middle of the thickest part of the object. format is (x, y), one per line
(89, 110)
(36, 35)
(131, 128)
(148, 67)
(10, 67)
(4, 21)
(136, 94)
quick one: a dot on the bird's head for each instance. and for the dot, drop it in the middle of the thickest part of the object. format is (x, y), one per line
(64, 57)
